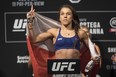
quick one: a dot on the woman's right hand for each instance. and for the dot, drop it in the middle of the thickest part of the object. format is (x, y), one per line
(31, 13)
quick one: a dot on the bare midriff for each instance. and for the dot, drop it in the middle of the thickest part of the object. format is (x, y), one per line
(67, 54)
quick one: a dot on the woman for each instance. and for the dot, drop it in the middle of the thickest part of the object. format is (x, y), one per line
(86, 56)
(67, 38)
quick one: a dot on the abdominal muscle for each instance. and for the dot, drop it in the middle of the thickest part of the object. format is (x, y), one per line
(67, 54)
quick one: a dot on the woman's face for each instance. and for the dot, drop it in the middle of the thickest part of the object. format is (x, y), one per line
(66, 16)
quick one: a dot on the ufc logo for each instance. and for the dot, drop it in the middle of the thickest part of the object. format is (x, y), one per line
(63, 66)
(74, 1)
(60, 66)
(19, 25)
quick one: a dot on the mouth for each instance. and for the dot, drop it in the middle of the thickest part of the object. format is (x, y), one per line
(65, 20)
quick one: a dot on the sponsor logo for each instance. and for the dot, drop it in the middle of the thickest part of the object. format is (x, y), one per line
(20, 3)
(99, 28)
(15, 33)
(22, 59)
(113, 24)
(112, 49)
(59, 38)
(66, 75)
(74, 1)
(19, 25)
(15, 27)
(63, 66)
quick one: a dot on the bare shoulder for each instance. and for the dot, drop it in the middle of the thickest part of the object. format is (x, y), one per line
(53, 31)
(97, 46)
(82, 33)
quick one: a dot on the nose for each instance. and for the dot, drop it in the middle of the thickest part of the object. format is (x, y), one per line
(65, 15)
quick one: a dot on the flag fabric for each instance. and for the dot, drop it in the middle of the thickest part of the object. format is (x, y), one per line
(85, 58)
(39, 57)
(41, 52)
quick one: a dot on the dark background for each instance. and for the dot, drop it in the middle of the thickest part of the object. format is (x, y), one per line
(13, 44)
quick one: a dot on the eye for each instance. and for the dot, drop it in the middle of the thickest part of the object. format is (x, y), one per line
(61, 13)
(68, 13)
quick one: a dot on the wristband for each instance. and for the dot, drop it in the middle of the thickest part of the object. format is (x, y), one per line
(30, 20)
(30, 26)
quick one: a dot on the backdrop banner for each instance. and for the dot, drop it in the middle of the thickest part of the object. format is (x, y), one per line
(100, 16)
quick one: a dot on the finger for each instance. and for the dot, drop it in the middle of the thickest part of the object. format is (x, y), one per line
(33, 10)
(31, 7)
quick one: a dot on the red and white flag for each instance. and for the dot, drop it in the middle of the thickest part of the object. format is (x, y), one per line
(41, 52)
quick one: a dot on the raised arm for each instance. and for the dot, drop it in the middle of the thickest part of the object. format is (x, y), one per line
(40, 37)
(36, 37)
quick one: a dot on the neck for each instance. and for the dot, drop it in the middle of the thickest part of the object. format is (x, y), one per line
(67, 27)
(67, 30)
